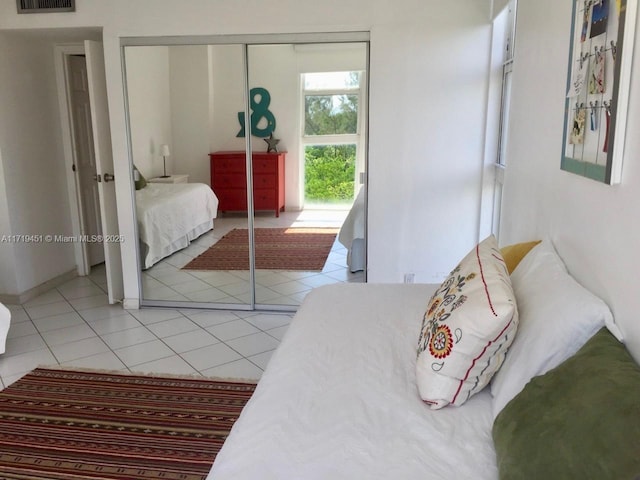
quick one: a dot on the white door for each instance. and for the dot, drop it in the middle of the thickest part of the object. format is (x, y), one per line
(90, 222)
(104, 167)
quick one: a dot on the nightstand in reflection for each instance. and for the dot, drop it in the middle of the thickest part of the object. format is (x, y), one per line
(170, 179)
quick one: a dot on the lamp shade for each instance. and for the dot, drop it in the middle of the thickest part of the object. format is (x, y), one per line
(164, 150)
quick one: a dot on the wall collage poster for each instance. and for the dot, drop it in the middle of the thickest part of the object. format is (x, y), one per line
(593, 87)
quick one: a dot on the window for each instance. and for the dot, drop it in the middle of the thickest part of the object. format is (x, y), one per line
(508, 16)
(507, 69)
(331, 114)
(331, 135)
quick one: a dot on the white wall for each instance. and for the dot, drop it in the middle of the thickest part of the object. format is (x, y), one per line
(228, 97)
(168, 90)
(595, 226)
(274, 68)
(36, 200)
(498, 6)
(427, 116)
(189, 83)
(149, 108)
(428, 79)
(8, 278)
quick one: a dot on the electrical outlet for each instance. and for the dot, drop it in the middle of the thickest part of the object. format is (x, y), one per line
(409, 277)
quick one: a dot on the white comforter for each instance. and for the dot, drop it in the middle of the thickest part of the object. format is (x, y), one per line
(5, 323)
(171, 215)
(353, 226)
(339, 400)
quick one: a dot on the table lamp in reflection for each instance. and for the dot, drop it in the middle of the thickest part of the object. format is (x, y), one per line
(164, 151)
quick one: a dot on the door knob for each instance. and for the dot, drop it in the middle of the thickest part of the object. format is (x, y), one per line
(108, 177)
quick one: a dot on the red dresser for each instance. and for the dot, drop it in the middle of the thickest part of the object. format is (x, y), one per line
(229, 180)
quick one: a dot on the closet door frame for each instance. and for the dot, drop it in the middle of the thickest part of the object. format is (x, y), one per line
(245, 41)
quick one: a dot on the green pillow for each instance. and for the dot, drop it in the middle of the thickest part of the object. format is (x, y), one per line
(141, 182)
(580, 420)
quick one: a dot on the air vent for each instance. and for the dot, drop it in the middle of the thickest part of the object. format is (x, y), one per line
(45, 6)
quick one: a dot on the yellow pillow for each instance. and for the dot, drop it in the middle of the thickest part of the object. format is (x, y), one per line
(512, 254)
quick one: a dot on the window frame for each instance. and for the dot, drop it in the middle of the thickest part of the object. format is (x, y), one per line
(500, 164)
(507, 71)
(334, 139)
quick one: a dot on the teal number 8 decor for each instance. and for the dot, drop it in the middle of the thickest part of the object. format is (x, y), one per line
(259, 112)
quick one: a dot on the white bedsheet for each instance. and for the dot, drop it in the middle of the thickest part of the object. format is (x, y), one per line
(338, 400)
(353, 226)
(171, 215)
(5, 323)
(351, 234)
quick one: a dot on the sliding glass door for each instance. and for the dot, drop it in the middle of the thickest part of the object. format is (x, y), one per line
(238, 203)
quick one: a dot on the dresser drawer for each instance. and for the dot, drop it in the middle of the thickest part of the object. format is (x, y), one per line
(264, 181)
(229, 164)
(231, 199)
(264, 199)
(265, 164)
(229, 180)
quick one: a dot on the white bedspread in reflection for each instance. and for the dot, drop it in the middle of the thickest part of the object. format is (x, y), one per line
(5, 322)
(168, 213)
(353, 226)
(352, 234)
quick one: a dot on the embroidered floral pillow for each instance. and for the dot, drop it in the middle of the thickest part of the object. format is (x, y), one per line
(469, 324)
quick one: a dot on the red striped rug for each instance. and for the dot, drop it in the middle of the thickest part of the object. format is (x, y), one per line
(300, 249)
(62, 424)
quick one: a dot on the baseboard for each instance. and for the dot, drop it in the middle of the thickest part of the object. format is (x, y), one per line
(32, 293)
(131, 304)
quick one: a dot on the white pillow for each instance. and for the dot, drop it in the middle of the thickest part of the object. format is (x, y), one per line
(470, 322)
(557, 316)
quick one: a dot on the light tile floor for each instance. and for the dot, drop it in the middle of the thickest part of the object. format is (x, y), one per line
(167, 281)
(73, 325)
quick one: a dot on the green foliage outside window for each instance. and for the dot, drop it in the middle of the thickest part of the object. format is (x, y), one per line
(330, 169)
(331, 114)
(329, 173)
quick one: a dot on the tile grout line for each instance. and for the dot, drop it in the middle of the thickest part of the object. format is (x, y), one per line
(94, 282)
(181, 315)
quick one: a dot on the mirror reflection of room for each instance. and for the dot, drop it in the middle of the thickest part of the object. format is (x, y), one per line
(186, 106)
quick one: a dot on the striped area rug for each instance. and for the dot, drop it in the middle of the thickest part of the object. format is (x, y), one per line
(298, 249)
(63, 424)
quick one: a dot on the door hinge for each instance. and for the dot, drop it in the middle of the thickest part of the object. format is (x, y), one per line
(73, 167)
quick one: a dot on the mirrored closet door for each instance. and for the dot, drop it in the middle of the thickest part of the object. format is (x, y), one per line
(316, 141)
(249, 161)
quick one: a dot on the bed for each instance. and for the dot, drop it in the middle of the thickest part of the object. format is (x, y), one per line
(352, 233)
(170, 216)
(5, 322)
(348, 407)
(339, 398)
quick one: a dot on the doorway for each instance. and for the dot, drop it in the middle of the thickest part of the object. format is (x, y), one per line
(86, 138)
(218, 107)
(77, 86)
